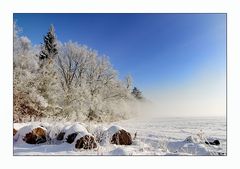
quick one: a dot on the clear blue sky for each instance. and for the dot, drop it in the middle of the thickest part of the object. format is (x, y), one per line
(158, 50)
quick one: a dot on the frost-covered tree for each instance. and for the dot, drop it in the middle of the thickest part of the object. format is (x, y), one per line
(27, 102)
(89, 82)
(22, 51)
(71, 64)
(68, 80)
(128, 82)
(16, 45)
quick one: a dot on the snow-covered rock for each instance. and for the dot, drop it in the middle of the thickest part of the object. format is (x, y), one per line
(61, 135)
(192, 139)
(214, 142)
(70, 132)
(113, 129)
(22, 131)
(14, 131)
(54, 131)
(74, 128)
(85, 141)
(107, 134)
(122, 137)
(116, 135)
(32, 134)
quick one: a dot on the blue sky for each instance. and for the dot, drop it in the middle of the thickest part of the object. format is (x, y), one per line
(162, 52)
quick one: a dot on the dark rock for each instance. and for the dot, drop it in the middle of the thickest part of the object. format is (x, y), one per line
(60, 136)
(14, 131)
(215, 142)
(221, 153)
(37, 136)
(86, 142)
(122, 137)
(70, 138)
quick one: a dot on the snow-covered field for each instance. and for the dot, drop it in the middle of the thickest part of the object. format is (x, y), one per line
(156, 136)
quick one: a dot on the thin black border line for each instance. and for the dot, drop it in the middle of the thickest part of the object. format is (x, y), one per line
(226, 40)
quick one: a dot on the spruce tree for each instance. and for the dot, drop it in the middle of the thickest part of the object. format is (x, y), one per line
(49, 47)
(47, 79)
(137, 93)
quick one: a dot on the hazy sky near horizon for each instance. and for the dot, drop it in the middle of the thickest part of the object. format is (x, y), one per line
(178, 61)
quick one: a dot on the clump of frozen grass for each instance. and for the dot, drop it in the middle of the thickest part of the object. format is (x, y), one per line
(163, 145)
(90, 126)
(99, 132)
(200, 135)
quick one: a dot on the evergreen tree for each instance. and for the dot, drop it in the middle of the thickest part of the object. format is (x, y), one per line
(49, 48)
(137, 93)
(46, 77)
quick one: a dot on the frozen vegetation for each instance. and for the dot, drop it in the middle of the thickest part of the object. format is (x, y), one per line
(68, 81)
(158, 136)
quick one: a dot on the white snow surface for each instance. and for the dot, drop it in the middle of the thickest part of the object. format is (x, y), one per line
(158, 136)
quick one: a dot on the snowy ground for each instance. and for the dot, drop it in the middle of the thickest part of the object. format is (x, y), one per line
(158, 136)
